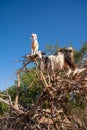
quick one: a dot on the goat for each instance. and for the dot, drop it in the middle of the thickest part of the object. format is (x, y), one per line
(61, 61)
(70, 52)
(35, 44)
(69, 61)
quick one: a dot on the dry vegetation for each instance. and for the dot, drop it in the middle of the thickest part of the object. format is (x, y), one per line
(52, 110)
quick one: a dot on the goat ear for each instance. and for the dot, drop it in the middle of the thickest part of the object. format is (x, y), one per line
(59, 49)
(36, 37)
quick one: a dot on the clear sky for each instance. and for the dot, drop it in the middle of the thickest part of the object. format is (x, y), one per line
(52, 20)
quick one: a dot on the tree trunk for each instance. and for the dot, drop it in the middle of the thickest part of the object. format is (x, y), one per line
(17, 94)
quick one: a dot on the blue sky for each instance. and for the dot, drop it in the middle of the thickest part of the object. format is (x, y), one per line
(52, 20)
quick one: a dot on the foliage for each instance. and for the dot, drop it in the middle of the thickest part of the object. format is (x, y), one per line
(30, 88)
(12, 92)
(3, 108)
(52, 49)
(80, 54)
(75, 102)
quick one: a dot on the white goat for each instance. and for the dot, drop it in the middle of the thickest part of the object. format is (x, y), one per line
(61, 61)
(35, 44)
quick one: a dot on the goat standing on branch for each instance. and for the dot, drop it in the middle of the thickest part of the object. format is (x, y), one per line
(63, 60)
(35, 44)
(69, 60)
